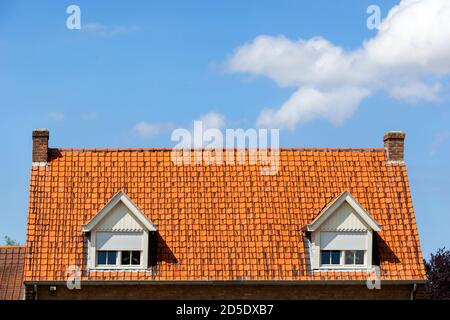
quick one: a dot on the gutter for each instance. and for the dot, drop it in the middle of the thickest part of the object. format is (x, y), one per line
(227, 282)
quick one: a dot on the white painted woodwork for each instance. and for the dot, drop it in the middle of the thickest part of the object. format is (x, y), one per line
(119, 218)
(344, 219)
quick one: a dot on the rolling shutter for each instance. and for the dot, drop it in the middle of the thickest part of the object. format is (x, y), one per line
(119, 241)
(343, 240)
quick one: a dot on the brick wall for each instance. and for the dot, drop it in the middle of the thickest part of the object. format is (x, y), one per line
(228, 291)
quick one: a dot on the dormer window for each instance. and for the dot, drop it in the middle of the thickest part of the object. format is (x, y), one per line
(115, 258)
(119, 236)
(341, 236)
(342, 258)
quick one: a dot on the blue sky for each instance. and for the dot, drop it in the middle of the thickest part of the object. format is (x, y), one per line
(167, 63)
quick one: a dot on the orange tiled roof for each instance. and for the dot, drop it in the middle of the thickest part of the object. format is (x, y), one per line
(219, 222)
(11, 272)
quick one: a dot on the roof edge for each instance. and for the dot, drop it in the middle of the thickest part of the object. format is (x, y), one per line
(225, 149)
(15, 246)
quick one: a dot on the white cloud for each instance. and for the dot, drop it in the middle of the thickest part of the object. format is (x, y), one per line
(56, 116)
(408, 58)
(416, 90)
(313, 61)
(413, 38)
(107, 31)
(308, 103)
(149, 130)
(212, 120)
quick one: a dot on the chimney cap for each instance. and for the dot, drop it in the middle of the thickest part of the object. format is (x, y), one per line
(40, 132)
(394, 135)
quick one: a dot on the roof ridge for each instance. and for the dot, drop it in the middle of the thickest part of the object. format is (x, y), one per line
(15, 246)
(224, 149)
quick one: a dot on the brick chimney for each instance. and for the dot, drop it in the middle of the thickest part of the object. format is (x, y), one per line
(394, 144)
(40, 145)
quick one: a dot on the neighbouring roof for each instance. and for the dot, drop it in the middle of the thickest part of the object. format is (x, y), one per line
(219, 222)
(11, 272)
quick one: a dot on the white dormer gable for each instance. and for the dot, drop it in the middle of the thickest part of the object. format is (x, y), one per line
(119, 214)
(120, 218)
(342, 235)
(118, 236)
(344, 212)
(344, 219)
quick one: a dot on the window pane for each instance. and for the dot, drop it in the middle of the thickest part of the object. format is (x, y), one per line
(136, 257)
(126, 257)
(349, 257)
(101, 257)
(325, 257)
(112, 257)
(359, 257)
(335, 257)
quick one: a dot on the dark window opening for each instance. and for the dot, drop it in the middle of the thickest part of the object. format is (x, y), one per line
(106, 257)
(354, 257)
(131, 258)
(330, 257)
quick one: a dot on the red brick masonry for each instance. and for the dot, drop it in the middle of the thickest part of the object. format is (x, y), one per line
(40, 145)
(228, 291)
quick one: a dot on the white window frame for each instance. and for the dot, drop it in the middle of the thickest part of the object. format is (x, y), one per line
(118, 263)
(317, 248)
(342, 263)
(92, 254)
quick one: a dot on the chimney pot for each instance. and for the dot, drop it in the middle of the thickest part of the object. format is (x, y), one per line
(394, 144)
(40, 145)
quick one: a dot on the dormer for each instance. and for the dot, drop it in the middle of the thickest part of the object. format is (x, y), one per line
(118, 236)
(342, 235)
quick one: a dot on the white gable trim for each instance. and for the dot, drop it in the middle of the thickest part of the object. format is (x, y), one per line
(119, 196)
(335, 204)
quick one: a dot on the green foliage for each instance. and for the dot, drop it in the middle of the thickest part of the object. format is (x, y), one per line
(11, 242)
(438, 275)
